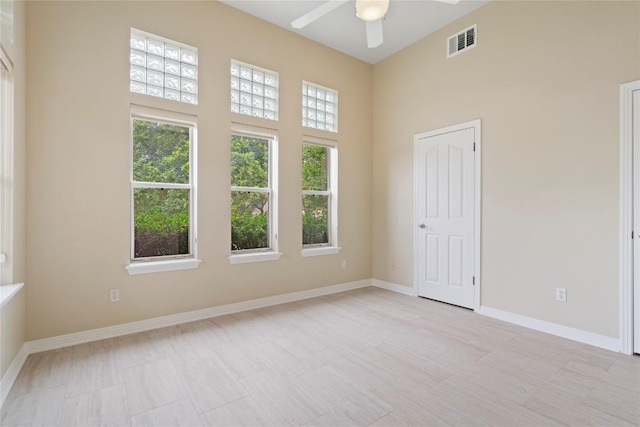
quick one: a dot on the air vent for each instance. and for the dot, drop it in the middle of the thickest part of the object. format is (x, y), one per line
(464, 40)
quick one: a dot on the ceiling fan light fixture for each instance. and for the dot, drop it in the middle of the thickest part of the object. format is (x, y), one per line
(371, 10)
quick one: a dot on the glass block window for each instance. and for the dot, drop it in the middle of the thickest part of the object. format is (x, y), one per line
(163, 68)
(319, 107)
(254, 91)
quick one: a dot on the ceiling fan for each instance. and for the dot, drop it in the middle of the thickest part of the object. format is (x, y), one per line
(370, 11)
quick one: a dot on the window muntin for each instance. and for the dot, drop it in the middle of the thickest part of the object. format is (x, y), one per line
(163, 68)
(319, 201)
(252, 193)
(162, 186)
(254, 91)
(319, 107)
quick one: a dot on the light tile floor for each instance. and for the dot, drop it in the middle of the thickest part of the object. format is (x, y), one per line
(364, 357)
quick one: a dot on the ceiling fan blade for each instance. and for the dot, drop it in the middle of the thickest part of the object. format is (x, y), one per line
(317, 13)
(374, 33)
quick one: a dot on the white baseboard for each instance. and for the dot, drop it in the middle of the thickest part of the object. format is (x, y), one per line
(176, 319)
(574, 334)
(12, 373)
(405, 290)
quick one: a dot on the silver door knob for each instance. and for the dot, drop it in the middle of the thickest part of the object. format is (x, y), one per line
(422, 226)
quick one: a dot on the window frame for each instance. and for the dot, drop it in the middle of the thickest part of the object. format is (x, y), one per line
(168, 262)
(271, 253)
(7, 147)
(332, 246)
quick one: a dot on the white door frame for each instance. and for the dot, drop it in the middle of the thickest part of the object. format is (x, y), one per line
(476, 126)
(626, 215)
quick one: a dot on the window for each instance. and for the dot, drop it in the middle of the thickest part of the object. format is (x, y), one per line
(253, 204)
(163, 68)
(6, 168)
(254, 91)
(319, 198)
(162, 185)
(319, 107)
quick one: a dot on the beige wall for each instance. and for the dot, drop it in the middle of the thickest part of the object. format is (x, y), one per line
(544, 78)
(12, 315)
(78, 157)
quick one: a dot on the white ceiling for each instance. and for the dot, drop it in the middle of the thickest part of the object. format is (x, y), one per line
(407, 21)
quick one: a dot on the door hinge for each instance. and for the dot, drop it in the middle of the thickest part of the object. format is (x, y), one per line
(473, 281)
(474, 146)
(632, 234)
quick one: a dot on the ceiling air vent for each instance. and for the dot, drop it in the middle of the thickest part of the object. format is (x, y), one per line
(463, 40)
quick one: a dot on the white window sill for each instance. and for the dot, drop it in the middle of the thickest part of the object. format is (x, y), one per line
(7, 292)
(144, 267)
(322, 250)
(254, 257)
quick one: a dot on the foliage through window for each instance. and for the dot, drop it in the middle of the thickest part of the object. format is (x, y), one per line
(163, 68)
(251, 193)
(318, 200)
(319, 107)
(162, 189)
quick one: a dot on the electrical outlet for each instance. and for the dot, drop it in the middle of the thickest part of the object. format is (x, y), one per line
(561, 294)
(393, 265)
(114, 295)
(344, 264)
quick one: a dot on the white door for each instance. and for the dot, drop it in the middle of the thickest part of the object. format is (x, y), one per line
(445, 220)
(636, 221)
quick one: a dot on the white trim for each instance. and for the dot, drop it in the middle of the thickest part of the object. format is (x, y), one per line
(324, 142)
(144, 267)
(602, 341)
(244, 258)
(7, 292)
(176, 319)
(321, 250)
(394, 287)
(252, 131)
(142, 112)
(270, 137)
(477, 130)
(12, 373)
(138, 112)
(7, 166)
(626, 215)
(160, 185)
(332, 185)
(262, 190)
(5, 61)
(478, 208)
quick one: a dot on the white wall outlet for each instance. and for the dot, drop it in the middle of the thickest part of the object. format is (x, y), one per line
(344, 264)
(561, 294)
(114, 295)
(393, 265)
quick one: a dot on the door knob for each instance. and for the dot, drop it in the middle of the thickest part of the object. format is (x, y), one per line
(422, 226)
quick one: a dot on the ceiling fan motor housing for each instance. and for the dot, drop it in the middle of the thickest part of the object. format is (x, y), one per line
(371, 10)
